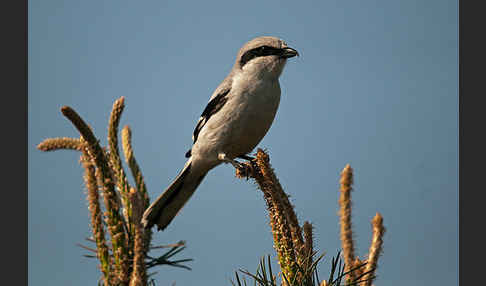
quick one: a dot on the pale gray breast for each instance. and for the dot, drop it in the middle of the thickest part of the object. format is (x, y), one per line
(242, 122)
(253, 113)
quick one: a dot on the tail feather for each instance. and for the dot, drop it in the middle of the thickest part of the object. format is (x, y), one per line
(163, 210)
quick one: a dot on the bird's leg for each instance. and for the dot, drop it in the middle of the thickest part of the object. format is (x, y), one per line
(242, 169)
(236, 164)
(246, 157)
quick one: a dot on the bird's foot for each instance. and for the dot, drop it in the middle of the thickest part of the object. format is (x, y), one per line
(243, 170)
(236, 164)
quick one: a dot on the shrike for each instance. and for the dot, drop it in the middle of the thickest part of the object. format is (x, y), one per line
(237, 117)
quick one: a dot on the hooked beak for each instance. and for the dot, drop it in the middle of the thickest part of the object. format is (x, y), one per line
(289, 52)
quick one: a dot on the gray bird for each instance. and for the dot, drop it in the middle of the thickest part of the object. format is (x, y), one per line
(236, 119)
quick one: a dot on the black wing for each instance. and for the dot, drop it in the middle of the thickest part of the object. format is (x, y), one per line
(213, 106)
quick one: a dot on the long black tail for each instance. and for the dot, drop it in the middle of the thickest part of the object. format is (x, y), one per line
(163, 210)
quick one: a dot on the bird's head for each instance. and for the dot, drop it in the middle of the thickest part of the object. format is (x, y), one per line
(264, 56)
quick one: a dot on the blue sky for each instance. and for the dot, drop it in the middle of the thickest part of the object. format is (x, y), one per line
(375, 86)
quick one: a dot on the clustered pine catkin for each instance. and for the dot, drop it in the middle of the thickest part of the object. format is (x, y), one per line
(137, 175)
(130, 241)
(292, 250)
(132, 163)
(139, 276)
(375, 248)
(103, 171)
(295, 251)
(352, 262)
(96, 217)
(308, 246)
(345, 215)
(53, 144)
(281, 232)
(114, 156)
(114, 219)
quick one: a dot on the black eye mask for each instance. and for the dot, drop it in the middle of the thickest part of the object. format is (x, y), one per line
(260, 52)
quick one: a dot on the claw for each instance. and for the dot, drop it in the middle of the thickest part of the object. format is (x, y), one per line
(236, 164)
